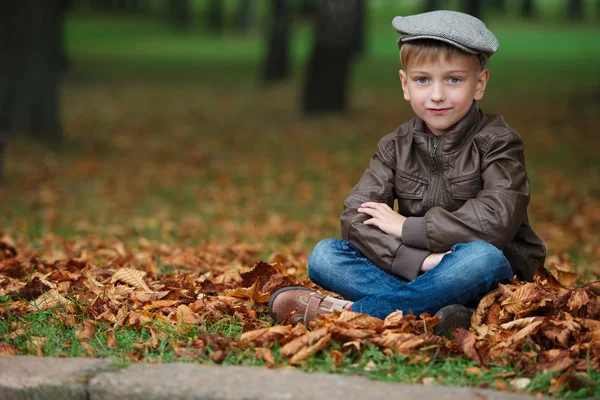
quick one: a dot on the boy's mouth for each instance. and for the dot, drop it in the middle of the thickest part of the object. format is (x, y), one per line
(438, 111)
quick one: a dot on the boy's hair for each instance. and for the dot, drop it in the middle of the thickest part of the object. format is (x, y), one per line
(423, 50)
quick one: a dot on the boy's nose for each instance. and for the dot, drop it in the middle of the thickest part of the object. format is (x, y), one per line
(437, 93)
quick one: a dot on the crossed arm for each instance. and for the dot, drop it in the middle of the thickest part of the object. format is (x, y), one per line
(391, 222)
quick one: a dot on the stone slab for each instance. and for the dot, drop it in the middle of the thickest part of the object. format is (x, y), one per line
(201, 382)
(33, 378)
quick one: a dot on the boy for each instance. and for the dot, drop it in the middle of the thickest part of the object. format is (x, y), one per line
(462, 189)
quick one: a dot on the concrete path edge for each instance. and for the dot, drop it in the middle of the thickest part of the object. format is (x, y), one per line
(27, 377)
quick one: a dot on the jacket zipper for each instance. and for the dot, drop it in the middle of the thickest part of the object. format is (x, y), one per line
(436, 143)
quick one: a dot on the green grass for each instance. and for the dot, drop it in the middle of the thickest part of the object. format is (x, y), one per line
(62, 342)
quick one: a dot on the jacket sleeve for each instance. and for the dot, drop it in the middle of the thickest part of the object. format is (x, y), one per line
(493, 216)
(386, 251)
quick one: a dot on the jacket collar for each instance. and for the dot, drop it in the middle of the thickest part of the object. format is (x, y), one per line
(462, 130)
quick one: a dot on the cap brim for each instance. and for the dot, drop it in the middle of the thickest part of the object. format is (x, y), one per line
(408, 38)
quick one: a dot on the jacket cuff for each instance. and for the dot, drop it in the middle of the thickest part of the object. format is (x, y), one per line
(408, 262)
(414, 233)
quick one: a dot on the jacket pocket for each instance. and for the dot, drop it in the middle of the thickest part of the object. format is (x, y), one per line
(465, 187)
(409, 186)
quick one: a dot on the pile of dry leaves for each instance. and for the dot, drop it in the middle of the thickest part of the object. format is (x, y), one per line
(544, 325)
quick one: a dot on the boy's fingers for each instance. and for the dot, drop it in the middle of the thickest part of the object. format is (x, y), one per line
(372, 221)
(369, 211)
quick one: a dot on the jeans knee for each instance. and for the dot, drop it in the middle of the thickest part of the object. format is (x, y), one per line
(318, 260)
(490, 261)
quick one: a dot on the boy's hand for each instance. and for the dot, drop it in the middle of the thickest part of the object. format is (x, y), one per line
(432, 261)
(386, 219)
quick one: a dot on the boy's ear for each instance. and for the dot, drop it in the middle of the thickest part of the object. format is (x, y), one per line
(404, 81)
(482, 79)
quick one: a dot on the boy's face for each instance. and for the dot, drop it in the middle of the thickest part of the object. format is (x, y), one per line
(441, 92)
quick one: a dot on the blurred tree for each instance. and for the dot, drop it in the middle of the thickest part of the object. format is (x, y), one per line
(2, 145)
(473, 7)
(31, 47)
(277, 62)
(497, 5)
(432, 5)
(575, 9)
(307, 8)
(528, 9)
(215, 16)
(246, 15)
(361, 28)
(326, 85)
(180, 14)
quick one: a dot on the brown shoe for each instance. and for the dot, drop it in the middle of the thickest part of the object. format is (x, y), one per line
(307, 303)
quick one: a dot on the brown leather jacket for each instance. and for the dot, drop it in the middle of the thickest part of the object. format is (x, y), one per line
(465, 185)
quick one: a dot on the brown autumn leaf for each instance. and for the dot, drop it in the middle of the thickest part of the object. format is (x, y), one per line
(524, 299)
(262, 337)
(545, 278)
(153, 338)
(533, 325)
(474, 371)
(489, 300)
(132, 277)
(565, 276)
(89, 350)
(265, 355)
(466, 341)
(306, 340)
(555, 360)
(573, 382)
(579, 298)
(111, 340)
(306, 352)
(49, 300)
(261, 272)
(251, 293)
(559, 332)
(360, 321)
(337, 357)
(86, 332)
(393, 320)
(278, 281)
(7, 349)
(33, 289)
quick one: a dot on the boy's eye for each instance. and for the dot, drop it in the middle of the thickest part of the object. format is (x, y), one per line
(421, 80)
(453, 80)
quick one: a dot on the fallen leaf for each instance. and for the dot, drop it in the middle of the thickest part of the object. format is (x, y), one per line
(520, 383)
(474, 371)
(111, 340)
(132, 277)
(371, 366)
(86, 332)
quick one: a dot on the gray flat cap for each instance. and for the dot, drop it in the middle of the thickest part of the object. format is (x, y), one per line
(461, 30)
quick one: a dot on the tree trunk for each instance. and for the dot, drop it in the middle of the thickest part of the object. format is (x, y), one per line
(2, 145)
(432, 5)
(277, 63)
(528, 9)
(497, 5)
(30, 37)
(246, 15)
(215, 16)
(474, 8)
(575, 9)
(179, 11)
(326, 85)
(361, 28)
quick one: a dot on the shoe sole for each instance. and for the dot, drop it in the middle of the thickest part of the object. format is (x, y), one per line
(276, 293)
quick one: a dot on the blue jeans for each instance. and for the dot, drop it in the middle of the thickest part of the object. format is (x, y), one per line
(462, 277)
